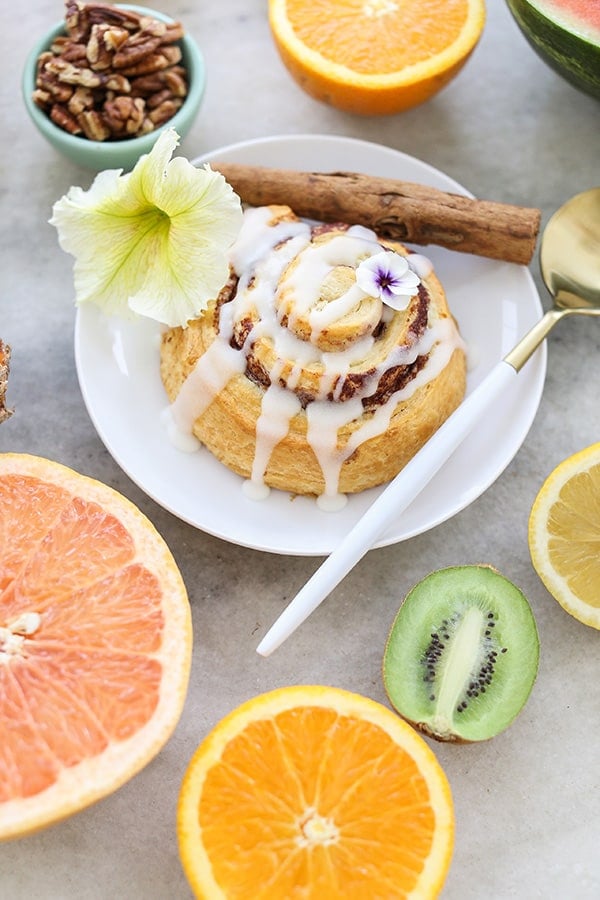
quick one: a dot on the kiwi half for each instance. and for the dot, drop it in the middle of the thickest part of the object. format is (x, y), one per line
(462, 654)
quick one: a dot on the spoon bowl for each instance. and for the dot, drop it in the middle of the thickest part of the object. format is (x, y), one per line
(570, 252)
(570, 265)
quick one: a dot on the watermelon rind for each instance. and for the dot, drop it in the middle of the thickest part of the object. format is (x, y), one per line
(569, 53)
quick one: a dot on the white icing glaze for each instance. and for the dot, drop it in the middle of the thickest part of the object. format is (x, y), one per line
(421, 265)
(279, 406)
(332, 503)
(254, 491)
(212, 372)
(182, 440)
(256, 238)
(275, 298)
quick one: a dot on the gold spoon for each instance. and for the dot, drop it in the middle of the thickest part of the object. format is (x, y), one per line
(570, 265)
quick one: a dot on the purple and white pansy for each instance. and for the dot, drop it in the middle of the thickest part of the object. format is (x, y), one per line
(388, 275)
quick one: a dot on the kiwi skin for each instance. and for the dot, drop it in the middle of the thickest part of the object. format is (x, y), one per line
(462, 655)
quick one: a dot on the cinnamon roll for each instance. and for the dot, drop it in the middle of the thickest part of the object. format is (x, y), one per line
(299, 377)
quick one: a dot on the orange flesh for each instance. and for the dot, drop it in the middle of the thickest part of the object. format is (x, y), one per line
(332, 807)
(393, 37)
(84, 677)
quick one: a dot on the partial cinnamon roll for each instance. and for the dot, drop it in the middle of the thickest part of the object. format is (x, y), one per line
(5, 413)
(302, 375)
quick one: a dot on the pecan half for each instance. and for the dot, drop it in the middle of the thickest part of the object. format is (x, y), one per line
(135, 49)
(47, 84)
(172, 79)
(98, 52)
(164, 111)
(153, 62)
(93, 125)
(146, 85)
(176, 81)
(71, 74)
(173, 32)
(61, 116)
(124, 115)
(69, 50)
(81, 98)
(159, 97)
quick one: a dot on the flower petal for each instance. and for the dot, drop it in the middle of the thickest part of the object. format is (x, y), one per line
(153, 242)
(398, 301)
(407, 283)
(367, 276)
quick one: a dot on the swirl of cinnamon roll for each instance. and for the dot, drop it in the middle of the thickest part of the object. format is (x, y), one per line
(297, 378)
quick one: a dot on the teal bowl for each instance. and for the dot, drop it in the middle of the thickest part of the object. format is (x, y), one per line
(121, 154)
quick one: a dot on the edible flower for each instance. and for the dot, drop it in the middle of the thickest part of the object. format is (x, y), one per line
(153, 242)
(387, 275)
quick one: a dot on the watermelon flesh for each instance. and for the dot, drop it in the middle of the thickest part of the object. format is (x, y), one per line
(582, 16)
(566, 35)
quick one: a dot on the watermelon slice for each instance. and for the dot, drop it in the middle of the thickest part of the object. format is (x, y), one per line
(566, 35)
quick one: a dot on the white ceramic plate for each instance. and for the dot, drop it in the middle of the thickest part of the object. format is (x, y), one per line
(118, 367)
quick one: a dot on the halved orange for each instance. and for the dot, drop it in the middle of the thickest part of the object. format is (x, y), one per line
(315, 792)
(564, 534)
(95, 642)
(375, 57)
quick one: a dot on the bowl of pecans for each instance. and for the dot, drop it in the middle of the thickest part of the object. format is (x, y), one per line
(103, 83)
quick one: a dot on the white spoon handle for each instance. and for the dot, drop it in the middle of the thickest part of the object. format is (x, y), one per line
(391, 502)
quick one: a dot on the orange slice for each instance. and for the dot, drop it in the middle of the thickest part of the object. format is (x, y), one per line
(314, 792)
(95, 642)
(375, 57)
(564, 534)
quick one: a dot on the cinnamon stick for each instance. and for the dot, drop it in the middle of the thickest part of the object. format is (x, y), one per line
(400, 210)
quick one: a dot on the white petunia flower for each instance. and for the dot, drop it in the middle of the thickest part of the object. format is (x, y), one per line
(388, 276)
(152, 242)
